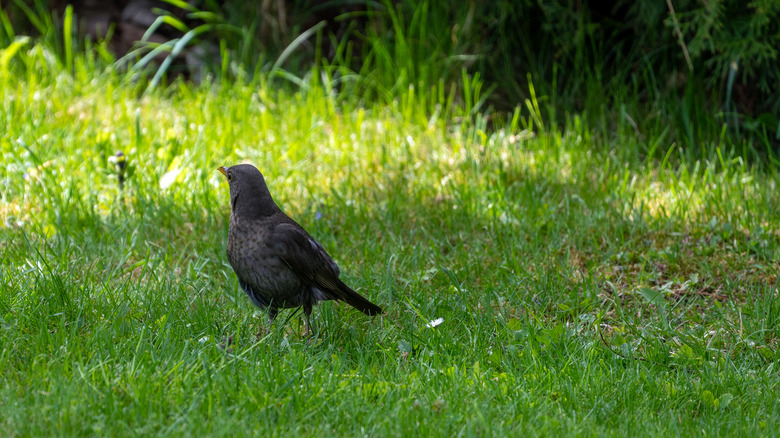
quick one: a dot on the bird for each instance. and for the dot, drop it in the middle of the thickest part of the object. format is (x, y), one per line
(278, 264)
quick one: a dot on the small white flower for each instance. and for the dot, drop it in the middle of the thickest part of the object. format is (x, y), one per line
(435, 322)
(203, 339)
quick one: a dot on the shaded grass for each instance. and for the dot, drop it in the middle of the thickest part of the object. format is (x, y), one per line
(584, 288)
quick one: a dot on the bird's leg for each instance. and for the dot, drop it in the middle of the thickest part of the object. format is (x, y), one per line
(272, 311)
(271, 315)
(307, 313)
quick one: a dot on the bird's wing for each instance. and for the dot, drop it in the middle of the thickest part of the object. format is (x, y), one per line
(307, 258)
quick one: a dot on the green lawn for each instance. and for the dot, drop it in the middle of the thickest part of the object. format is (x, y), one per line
(585, 288)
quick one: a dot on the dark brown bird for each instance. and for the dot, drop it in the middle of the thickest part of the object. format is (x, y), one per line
(278, 264)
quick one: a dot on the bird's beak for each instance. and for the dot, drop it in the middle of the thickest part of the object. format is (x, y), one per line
(223, 170)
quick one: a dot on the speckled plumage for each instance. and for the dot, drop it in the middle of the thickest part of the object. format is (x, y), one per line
(278, 264)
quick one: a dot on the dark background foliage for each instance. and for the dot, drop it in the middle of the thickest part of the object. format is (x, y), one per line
(670, 62)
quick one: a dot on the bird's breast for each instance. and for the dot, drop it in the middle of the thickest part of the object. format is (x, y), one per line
(247, 246)
(257, 262)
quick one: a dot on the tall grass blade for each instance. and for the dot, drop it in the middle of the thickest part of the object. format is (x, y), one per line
(9, 52)
(178, 46)
(67, 37)
(294, 45)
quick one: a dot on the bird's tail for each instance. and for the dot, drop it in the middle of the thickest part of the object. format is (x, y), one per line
(356, 300)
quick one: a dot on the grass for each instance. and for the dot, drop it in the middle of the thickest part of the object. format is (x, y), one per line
(586, 285)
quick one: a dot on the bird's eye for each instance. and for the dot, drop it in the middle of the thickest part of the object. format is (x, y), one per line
(230, 176)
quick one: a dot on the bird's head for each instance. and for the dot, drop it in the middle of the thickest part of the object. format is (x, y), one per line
(249, 195)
